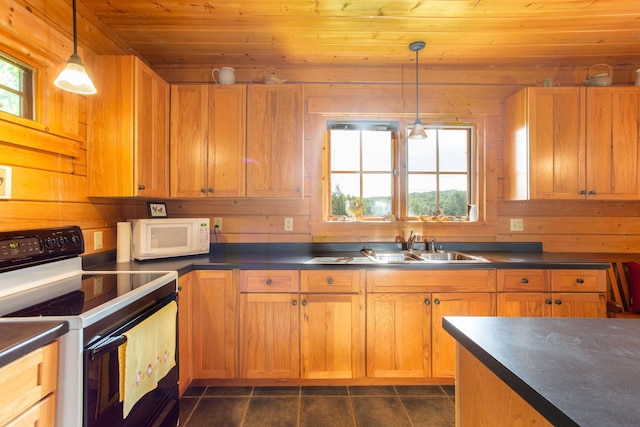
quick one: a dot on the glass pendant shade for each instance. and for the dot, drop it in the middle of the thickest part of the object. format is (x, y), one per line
(74, 78)
(417, 131)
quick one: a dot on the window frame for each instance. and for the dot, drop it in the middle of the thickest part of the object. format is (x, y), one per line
(29, 92)
(400, 175)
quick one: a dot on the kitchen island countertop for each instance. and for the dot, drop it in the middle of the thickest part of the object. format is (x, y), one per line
(575, 372)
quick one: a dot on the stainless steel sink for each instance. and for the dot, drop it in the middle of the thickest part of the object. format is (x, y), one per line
(401, 257)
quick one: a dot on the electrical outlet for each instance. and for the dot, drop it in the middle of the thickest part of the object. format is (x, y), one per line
(517, 224)
(217, 224)
(288, 224)
(97, 240)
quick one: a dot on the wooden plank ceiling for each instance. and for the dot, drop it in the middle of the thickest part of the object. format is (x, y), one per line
(458, 33)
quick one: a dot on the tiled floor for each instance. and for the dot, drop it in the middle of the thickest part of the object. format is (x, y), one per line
(318, 406)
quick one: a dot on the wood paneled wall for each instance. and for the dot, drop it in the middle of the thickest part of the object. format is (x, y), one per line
(48, 157)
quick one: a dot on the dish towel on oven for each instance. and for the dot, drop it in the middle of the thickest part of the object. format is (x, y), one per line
(147, 356)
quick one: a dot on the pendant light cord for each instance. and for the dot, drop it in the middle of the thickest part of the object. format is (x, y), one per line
(417, 112)
(75, 29)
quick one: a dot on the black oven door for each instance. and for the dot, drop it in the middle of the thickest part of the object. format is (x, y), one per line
(102, 406)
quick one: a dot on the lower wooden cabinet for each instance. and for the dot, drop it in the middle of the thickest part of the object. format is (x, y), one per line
(552, 293)
(332, 319)
(185, 331)
(405, 338)
(29, 385)
(213, 298)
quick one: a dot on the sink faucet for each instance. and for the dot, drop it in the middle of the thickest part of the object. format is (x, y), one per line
(433, 245)
(411, 240)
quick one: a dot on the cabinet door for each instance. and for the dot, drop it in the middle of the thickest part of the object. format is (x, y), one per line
(454, 304)
(185, 328)
(275, 165)
(189, 127)
(579, 305)
(613, 154)
(226, 141)
(152, 133)
(213, 304)
(269, 333)
(544, 144)
(398, 335)
(524, 304)
(332, 335)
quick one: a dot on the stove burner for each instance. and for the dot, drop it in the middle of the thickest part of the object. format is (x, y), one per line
(70, 304)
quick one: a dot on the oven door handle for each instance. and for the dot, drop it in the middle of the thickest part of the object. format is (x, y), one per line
(106, 346)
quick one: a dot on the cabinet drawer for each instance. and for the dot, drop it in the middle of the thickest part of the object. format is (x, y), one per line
(578, 280)
(27, 380)
(523, 280)
(269, 281)
(334, 281)
(431, 281)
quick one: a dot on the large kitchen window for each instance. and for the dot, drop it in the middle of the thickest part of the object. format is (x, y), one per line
(16, 87)
(365, 172)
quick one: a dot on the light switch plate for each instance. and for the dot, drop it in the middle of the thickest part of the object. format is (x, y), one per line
(517, 224)
(288, 224)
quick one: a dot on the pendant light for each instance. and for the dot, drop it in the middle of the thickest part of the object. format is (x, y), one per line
(74, 77)
(417, 131)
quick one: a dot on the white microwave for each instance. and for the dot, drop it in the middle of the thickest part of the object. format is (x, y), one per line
(168, 237)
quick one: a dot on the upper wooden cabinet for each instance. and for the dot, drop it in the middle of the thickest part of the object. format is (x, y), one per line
(275, 157)
(572, 143)
(127, 129)
(208, 140)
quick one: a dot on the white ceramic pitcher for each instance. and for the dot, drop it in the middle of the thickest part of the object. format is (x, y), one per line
(226, 75)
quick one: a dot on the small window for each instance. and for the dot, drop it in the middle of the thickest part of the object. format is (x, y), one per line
(439, 173)
(361, 169)
(16, 87)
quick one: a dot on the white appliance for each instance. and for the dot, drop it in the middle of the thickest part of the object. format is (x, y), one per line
(41, 279)
(169, 237)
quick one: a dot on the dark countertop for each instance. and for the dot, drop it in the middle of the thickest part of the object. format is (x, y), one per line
(581, 372)
(294, 256)
(19, 338)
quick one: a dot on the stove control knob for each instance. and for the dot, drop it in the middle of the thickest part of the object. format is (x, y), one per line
(75, 239)
(49, 242)
(62, 241)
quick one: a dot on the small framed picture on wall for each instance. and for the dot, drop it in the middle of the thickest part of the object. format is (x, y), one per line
(5, 182)
(157, 210)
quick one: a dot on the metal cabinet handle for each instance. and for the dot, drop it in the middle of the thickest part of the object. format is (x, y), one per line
(436, 301)
(579, 280)
(330, 281)
(583, 192)
(210, 189)
(140, 187)
(427, 301)
(268, 282)
(557, 301)
(592, 192)
(304, 302)
(524, 280)
(547, 301)
(294, 302)
(203, 190)
(179, 288)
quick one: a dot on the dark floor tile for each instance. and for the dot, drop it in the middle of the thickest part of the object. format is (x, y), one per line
(195, 390)
(419, 390)
(277, 391)
(430, 411)
(324, 391)
(219, 412)
(372, 390)
(383, 411)
(321, 411)
(450, 390)
(186, 408)
(281, 411)
(228, 391)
